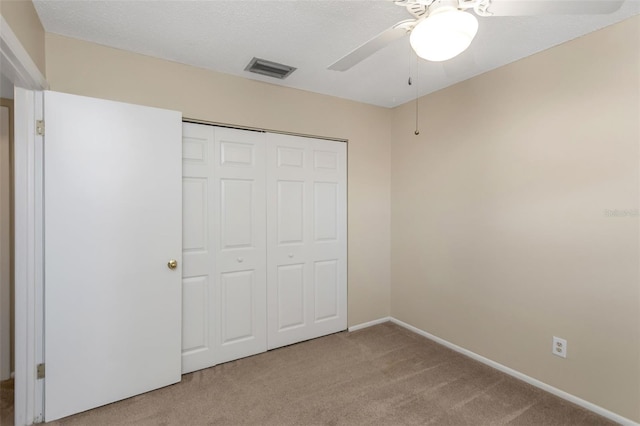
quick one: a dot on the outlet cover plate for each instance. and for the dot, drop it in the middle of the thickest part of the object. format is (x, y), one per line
(559, 347)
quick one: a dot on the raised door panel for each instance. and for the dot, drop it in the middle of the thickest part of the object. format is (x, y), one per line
(325, 211)
(195, 322)
(199, 298)
(241, 246)
(237, 154)
(290, 157)
(237, 213)
(325, 160)
(290, 212)
(238, 295)
(326, 289)
(291, 296)
(195, 191)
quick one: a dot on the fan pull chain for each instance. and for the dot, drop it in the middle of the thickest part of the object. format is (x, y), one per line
(417, 131)
(410, 83)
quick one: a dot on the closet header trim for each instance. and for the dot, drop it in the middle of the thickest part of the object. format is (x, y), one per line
(256, 129)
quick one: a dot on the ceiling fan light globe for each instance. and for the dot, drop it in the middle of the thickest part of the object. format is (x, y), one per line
(444, 34)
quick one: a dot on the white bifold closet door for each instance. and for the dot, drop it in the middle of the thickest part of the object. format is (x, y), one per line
(112, 223)
(224, 243)
(306, 238)
(264, 242)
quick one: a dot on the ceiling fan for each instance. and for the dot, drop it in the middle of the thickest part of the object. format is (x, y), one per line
(442, 29)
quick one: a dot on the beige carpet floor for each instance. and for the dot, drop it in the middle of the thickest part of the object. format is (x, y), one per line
(382, 375)
(6, 402)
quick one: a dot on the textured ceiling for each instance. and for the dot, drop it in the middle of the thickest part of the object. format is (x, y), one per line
(310, 35)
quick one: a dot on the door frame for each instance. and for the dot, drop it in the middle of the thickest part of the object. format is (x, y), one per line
(28, 168)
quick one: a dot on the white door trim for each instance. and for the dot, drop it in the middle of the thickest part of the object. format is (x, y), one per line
(28, 258)
(18, 66)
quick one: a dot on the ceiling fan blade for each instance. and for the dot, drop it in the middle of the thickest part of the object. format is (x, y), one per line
(553, 7)
(372, 46)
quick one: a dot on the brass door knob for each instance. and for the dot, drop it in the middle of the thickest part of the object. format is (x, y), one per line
(172, 264)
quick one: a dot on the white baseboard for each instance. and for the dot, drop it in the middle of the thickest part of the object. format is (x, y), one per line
(518, 375)
(369, 324)
(537, 383)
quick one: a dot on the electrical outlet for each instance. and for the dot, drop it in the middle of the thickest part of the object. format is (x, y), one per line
(559, 347)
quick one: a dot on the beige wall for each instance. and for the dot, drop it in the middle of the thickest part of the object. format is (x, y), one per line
(7, 273)
(88, 69)
(25, 24)
(499, 234)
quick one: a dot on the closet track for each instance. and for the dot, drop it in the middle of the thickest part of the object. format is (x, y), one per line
(261, 130)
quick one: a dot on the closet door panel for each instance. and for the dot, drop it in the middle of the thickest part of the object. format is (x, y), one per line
(241, 243)
(199, 334)
(306, 213)
(329, 247)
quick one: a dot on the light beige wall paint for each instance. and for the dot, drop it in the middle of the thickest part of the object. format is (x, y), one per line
(25, 24)
(8, 103)
(499, 234)
(88, 69)
(7, 281)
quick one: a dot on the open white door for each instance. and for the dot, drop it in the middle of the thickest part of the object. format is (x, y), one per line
(113, 221)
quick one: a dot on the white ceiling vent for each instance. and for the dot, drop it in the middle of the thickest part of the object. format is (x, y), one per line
(271, 69)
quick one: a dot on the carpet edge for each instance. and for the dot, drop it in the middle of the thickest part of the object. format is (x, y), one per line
(510, 371)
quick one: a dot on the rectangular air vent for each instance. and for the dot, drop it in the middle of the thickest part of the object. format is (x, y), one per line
(268, 68)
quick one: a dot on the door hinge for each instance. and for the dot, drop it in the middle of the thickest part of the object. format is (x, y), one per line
(40, 371)
(40, 127)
